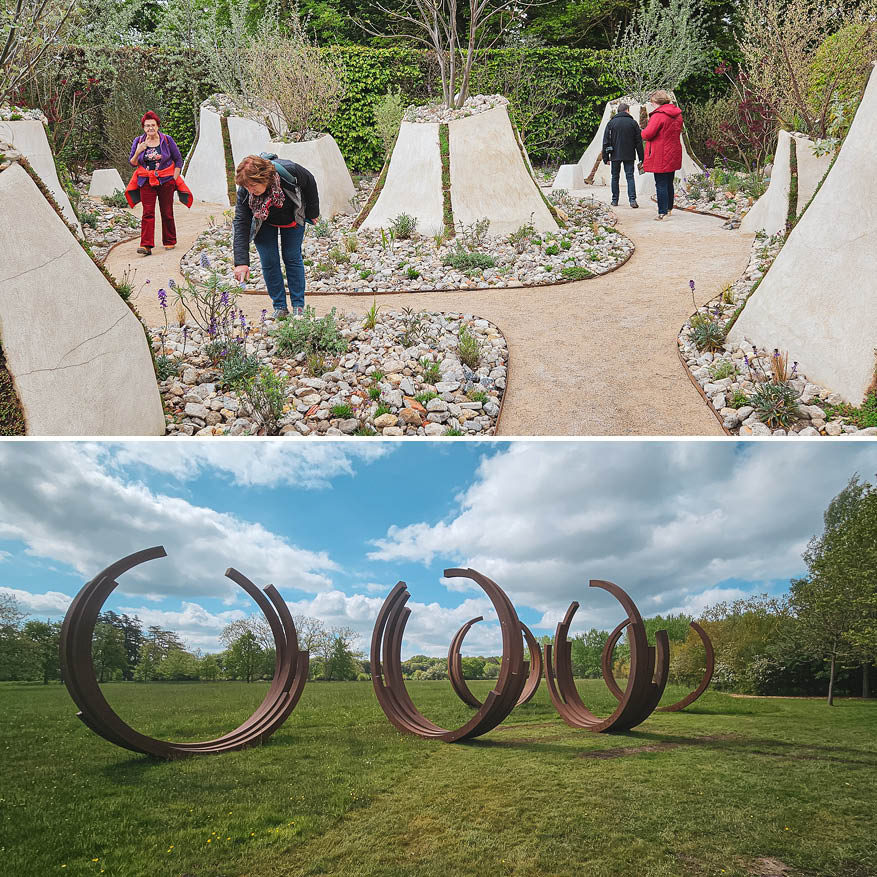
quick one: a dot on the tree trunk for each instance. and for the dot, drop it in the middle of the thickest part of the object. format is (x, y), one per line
(866, 680)
(831, 680)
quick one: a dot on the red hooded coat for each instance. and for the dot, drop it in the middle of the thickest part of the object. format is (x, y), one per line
(663, 140)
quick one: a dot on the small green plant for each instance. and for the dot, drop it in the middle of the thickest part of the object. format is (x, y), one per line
(308, 335)
(377, 376)
(431, 370)
(403, 226)
(89, 218)
(473, 235)
(117, 199)
(412, 326)
(316, 364)
(321, 228)
(552, 250)
(707, 333)
(452, 431)
(238, 365)
(166, 367)
(382, 409)
(351, 243)
(365, 274)
(469, 348)
(388, 116)
(371, 315)
(738, 399)
(425, 396)
(439, 239)
(576, 272)
(216, 349)
(477, 396)
(342, 412)
(412, 273)
(339, 256)
(728, 295)
(566, 244)
(594, 255)
(322, 270)
(365, 429)
(863, 417)
(521, 238)
(374, 393)
(307, 262)
(776, 404)
(265, 395)
(468, 260)
(722, 368)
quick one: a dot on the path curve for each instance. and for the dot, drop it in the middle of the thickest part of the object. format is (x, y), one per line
(596, 357)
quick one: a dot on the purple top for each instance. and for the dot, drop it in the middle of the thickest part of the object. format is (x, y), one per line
(167, 151)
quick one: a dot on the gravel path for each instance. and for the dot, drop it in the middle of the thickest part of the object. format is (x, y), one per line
(596, 357)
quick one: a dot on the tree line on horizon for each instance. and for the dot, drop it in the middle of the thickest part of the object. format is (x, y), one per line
(818, 638)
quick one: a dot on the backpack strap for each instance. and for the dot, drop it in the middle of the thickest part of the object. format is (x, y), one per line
(284, 173)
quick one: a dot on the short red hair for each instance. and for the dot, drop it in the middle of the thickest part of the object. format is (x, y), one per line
(150, 115)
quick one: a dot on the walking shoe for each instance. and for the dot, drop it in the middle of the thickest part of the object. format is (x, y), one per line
(613, 203)
(170, 247)
(634, 205)
(144, 251)
(298, 312)
(280, 313)
(660, 216)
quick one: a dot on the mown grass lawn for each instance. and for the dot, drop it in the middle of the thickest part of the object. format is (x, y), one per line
(717, 789)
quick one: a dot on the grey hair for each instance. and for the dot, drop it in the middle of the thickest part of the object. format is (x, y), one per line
(623, 107)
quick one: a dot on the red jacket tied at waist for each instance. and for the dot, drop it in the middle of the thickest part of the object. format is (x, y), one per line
(156, 178)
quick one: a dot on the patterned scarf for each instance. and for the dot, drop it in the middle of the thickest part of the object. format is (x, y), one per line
(274, 196)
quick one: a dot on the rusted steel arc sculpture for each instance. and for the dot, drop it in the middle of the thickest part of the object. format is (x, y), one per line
(689, 699)
(455, 666)
(386, 663)
(77, 668)
(645, 684)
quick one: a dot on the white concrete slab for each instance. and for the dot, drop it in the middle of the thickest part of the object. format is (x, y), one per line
(205, 175)
(811, 169)
(248, 137)
(569, 178)
(818, 301)
(28, 136)
(76, 352)
(105, 182)
(324, 160)
(414, 181)
(771, 211)
(489, 177)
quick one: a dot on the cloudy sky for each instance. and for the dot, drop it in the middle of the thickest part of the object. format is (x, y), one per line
(334, 525)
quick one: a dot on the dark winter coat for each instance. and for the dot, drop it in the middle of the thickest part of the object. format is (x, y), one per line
(246, 226)
(624, 136)
(663, 140)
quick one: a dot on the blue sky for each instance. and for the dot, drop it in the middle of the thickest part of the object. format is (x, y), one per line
(334, 525)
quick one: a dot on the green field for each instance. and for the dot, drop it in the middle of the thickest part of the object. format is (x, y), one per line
(714, 790)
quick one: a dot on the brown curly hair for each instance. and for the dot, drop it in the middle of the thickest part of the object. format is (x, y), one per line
(254, 170)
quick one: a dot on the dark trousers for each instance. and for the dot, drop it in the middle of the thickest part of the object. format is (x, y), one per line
(616, 176)
(165, 196)
(290, 249)
(664, 191)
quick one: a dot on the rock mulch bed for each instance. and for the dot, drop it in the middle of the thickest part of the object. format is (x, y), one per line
(17, 114)
(104, 226)
(339, 259)
(8, 154)
(729, 376)
(699, 193)
(474, 104)
(379, 386)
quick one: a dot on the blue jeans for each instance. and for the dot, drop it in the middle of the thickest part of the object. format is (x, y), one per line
(616, 176)
(664, 191)
(290, 248)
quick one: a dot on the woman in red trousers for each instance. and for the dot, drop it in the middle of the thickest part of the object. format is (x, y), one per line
(159, 163)
(663, 146)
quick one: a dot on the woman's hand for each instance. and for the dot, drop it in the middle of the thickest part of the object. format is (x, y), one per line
(241, 273)
(141, 148)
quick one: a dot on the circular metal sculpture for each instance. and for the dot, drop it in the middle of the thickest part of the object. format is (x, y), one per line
(77, 668)
(645, 684)
(386, 664)
(689, 699)
(455, 666)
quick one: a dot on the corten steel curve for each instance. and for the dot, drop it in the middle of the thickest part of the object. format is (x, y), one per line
(386, 663)
(455, 666)
(645, 684)
(689, 699)
(77, 668)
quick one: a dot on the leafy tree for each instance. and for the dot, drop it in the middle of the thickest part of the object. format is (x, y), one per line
(15, 651)
(178, 665)
(473, 668)
(132, 636)
(587, 649)
(836, 605)
(208, 668)
(245, 658)
(342, 664)
(108, 651)
(44, 637)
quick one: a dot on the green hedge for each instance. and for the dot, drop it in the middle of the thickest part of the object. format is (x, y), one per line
(183, 79)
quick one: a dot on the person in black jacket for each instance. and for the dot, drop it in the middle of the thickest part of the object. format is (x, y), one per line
(275, 198)
(622, 143)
